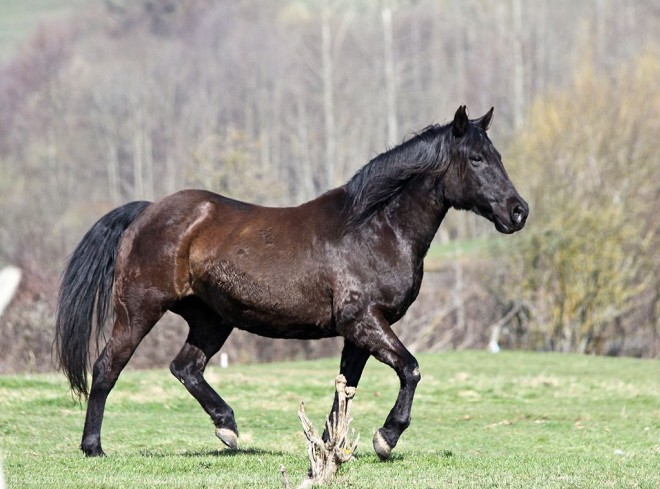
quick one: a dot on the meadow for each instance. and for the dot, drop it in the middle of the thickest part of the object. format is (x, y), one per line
(511, 419)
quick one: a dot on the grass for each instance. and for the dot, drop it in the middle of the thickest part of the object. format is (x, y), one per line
(479, 420)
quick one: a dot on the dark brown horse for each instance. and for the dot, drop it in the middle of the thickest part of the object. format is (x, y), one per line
(348, 263)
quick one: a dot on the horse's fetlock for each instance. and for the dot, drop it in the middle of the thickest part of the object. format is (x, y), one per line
(223, 418)
(91, 447)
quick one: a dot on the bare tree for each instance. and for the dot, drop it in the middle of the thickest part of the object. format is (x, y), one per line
(518, 82)
(390, 73)
(328, 96)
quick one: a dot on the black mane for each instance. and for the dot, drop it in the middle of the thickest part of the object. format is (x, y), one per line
(389, 173)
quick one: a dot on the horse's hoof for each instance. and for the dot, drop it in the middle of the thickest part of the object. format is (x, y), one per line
(228, 437)
(382, 448)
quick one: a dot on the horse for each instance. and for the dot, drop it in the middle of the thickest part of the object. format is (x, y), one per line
(348, 263)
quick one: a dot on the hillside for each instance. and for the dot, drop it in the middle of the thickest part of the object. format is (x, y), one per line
(19, 19)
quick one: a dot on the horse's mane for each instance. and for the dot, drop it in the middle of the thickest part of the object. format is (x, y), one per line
(385, 176)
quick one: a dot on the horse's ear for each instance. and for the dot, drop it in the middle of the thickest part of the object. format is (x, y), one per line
(460, 123)
(484, 122)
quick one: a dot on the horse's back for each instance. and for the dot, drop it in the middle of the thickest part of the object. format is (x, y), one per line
(265, 268)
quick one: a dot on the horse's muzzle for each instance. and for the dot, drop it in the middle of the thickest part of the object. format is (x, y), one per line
(512, 217)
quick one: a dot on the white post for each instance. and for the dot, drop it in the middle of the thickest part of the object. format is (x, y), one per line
(10, 277)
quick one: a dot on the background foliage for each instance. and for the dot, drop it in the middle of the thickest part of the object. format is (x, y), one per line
(589, 257)
(275, 102)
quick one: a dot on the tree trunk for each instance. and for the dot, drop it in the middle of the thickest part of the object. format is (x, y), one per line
(390, 75)
(518, 65)
(328, 96)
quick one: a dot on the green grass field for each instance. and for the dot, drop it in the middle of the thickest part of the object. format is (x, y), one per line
(479, 420)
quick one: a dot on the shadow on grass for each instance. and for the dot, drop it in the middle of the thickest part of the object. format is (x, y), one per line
(398, 457)
(215, 453)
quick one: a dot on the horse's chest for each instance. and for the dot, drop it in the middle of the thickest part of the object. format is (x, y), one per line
(391, 288)
(398, 291)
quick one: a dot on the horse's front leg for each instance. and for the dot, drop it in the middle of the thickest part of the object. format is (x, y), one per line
(353, 360)
(372, 333)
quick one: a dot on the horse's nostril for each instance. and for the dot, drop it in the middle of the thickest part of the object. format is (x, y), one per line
(517, 214)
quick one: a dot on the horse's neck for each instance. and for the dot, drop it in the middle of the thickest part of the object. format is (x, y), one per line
(416, 213)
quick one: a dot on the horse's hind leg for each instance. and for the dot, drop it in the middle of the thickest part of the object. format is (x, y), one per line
(208, 332)
(129, 329)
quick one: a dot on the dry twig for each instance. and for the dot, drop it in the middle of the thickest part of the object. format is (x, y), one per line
(326, 457)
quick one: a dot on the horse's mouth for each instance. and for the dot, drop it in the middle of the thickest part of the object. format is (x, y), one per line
(510, 228)
(501, 227)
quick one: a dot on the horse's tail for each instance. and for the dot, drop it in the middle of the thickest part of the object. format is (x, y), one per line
(86, 286)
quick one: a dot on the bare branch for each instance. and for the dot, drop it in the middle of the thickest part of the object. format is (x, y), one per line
(326, 457)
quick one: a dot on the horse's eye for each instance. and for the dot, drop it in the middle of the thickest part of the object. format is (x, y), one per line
(476, 159)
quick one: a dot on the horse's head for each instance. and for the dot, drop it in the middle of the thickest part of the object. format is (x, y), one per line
(476, 179)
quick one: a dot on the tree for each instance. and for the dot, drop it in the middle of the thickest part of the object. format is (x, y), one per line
(588, 263)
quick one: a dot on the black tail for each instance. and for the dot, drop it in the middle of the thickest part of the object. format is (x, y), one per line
(87, 285)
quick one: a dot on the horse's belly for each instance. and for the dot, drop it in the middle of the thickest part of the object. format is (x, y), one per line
(280, 322)
(288, 331)
(276, 309)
